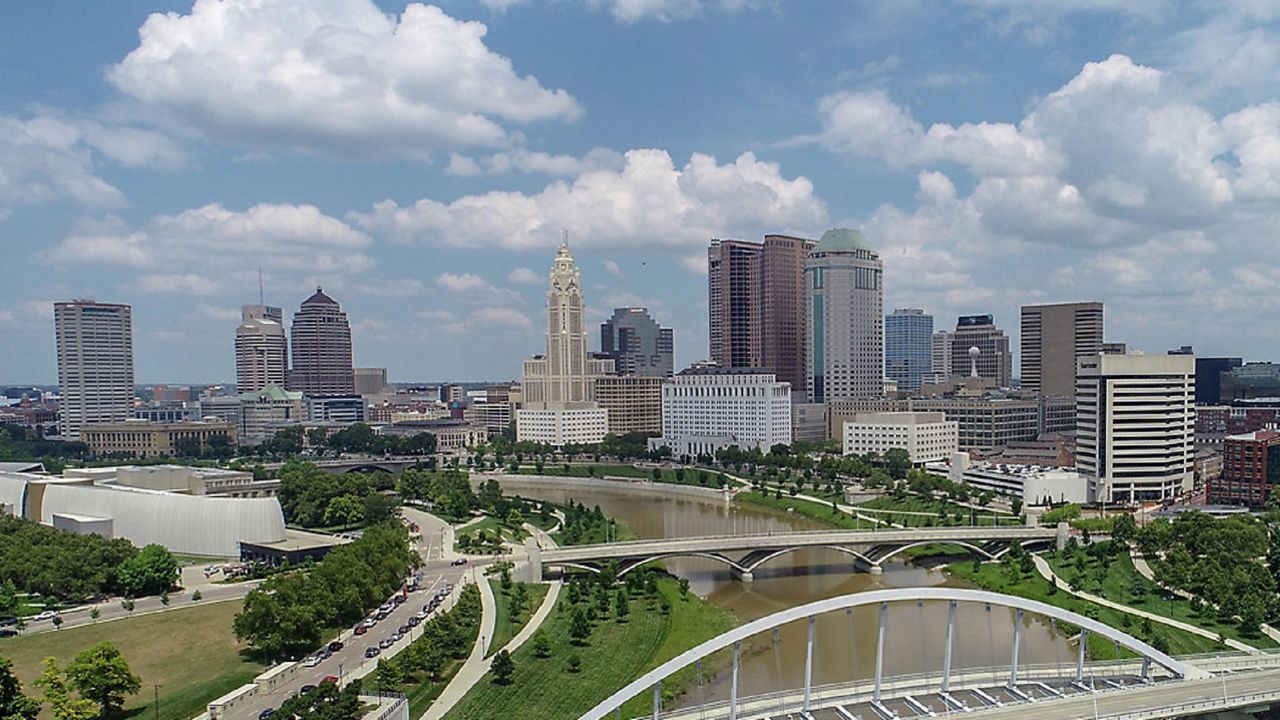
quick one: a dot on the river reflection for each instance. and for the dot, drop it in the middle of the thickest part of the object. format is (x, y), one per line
(845, 647)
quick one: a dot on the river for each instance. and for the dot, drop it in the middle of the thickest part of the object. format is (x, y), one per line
(845, 647)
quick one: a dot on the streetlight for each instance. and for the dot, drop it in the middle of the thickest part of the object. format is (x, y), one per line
(156, 690)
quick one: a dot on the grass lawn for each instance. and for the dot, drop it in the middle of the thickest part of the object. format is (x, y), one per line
(190, 653)
(616, 654)
(1118, 585)
(506, 626)
(807, 508)
(489, 526)
(994, 577)
(934, 509)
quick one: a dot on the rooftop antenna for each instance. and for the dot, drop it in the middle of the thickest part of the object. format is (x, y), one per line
(261, 293)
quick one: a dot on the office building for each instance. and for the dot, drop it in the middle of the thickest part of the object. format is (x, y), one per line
(450, 433)
(637, 344)
(321, 342)
(705, 409)
(1250, 469)
(1135, 425)
(95, 364)
(1250, 381)
(220, 407)
(734, 303)
(986, 423)
(262, 353)
(783, 315)
(634, 403)
(908, 348)
(1053, 336)
(926, 436)
(939, 358)
(559, 387)
(1209, 377)
(145, 439)
(1115, 348)
(267, 410)
(1033, 484)
(372, 381)
(844, 324)
(338, 409)
(993, 359)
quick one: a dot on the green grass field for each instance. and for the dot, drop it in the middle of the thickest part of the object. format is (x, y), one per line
(993, 576)
(489, 526)
(505, 627)
(615, 654)
(934, 510)
(190, 653)
(1118, 586)
(807, 508)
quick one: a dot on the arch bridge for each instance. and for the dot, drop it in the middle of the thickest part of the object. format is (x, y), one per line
(954, 693)
(743, 554)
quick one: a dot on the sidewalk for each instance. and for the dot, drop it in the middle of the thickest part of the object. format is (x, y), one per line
(1144, 569)
(1047, 573)
(476, 665)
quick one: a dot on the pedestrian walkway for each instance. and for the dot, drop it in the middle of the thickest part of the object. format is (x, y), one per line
(476, 665)
(1047, 573)
(1144, 569)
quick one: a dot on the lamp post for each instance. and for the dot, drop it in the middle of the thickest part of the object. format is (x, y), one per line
(156, 691)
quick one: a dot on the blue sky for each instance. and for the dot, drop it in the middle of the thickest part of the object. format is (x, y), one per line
(421, 162)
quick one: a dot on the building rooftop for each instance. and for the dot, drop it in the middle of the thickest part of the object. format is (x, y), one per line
(841, 240)
(319, 298)
(270, 392)
(718, 370)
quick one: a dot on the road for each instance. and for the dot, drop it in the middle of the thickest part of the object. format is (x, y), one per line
(192, 580)
(349, 663)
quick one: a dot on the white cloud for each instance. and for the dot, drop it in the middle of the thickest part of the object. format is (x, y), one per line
(42, 161)
(480, 319)
(612, 267)
(205, 311)
(647, 201)
(335, 77)
(695, 263)
(469, 287)
(6, 316)
(630, 11)
(462, 283)
(526, 161)
(392, 287)
(223, 248)
(524, 276)
(1038, 19)
(500, 317)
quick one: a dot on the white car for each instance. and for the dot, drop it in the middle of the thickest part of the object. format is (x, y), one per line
(46, 615)
(311, 661)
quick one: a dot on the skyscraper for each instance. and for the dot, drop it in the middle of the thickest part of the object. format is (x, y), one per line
(993, 360)
(940, 356)
(637, 344)
(783, 313)
(844, 340)
(559, 387)
(734, 307)
(1053, 337)
(262, 353)
(908, 347)
(95, 363)
(1135, 425)
(321, 342)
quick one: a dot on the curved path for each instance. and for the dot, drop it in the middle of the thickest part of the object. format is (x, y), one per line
(1047, 573)
(476, 665)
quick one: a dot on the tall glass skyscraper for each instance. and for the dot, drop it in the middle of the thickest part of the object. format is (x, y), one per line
(908, 334)
(844, 328)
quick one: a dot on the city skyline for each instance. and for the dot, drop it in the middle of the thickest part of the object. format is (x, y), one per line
(988, 180)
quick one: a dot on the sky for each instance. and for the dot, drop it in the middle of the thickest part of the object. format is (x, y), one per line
(422, 162)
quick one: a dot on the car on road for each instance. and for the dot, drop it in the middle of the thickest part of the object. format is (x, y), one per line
(266, 713)
(335, 646)
(306, 689)
(360, 629)
(8, 632)
(330, 679)
(413, 621)
(403, 630)
(386, 643)
(459, 561)
(311, 661)
(371, 652)
(46, 615)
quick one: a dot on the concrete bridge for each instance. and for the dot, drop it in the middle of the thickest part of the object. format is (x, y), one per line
(869, 549)
(1155, 685)
(391, 465)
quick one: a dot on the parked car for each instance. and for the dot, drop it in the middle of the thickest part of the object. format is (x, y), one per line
(306, 689)
(8, 632)
(330, 679)
(403, 630)
(386, 643)
(46, 615)
(335, 646)
(371, 652)
(360, 629)
(266, 713)
(413, 621)
(311, 661)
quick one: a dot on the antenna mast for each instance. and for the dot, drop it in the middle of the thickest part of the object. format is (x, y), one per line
(262, 295)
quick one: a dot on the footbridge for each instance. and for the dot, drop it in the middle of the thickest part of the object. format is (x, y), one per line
(1152, 685)
(743, 554)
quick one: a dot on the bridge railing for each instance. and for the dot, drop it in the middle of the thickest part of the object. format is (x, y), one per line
(1191, 708)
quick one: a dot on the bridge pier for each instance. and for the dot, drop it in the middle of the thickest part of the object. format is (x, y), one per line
(745, 576)
(876, 570)
(1060, 540)
(534, 571)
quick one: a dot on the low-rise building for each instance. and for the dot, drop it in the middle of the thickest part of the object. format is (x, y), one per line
(144, 439)
(1250, 469)
(986, 422)
(450, 434)
(341, 409)
(808, 422)
(1033, 484)
(262, 411)
(563, 425)
(926, 436)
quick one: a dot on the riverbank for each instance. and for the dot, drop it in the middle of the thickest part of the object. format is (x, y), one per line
(614, 654)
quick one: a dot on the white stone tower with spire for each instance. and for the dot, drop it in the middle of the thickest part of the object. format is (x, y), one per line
(559, 386)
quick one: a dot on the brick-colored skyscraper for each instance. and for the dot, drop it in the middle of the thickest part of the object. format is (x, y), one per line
(783, 318)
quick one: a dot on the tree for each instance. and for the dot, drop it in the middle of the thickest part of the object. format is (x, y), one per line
(621, 608)
(13, 704)
(502, 667)
(897, 461)
(1124, 528)
(8, 599)
(196, 596)
(101, 674)
(127, 604)
(684, 588)
(519, 597)
(579, 627)
(57, 694)
(541, 645)
(152, 570)
(345, 509)
(575, 663)
(57, 622)
(94, 614)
